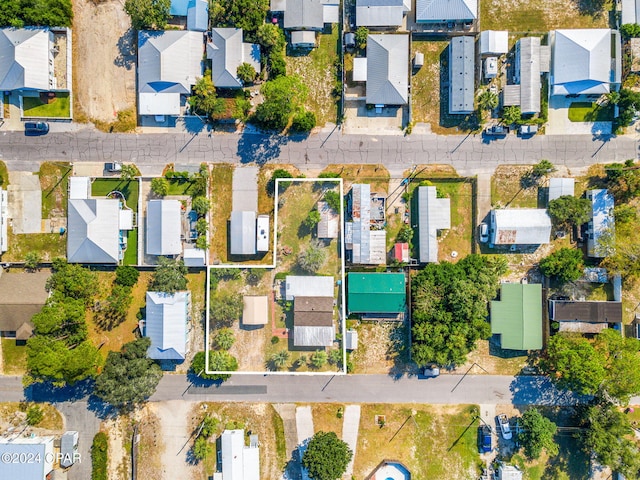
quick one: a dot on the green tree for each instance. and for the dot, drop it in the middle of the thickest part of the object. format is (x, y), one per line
(326, 456)
(543, 168)
(116, 307)
(34, 415)
(312, 219)
(405, 234)
(52, 360)
(630, 30)
(279, 359)
(219, 361)
(148, 14)
(225, 308)
(169, 277)
(622, 365)
(201, 205)
(248, 15)
(283, 97)
(129, 376)
(204, 100)
(160, 186)
(511, 115)
(333, 200)
(566, 265)
(246, 73)
(570, 210)
(361, 37)
(278, 173)
(202, 448)
(224, 339)
(537, 434)
(209, 426)
(126, 275)
(129, 172)
(487, 100)
(99, 456)
(303, 121)
(312, 258)
(608, 435)
(270, 35)
(574, 363)
(72, 280)
(318, 359)
(32, 260)
(45, 13)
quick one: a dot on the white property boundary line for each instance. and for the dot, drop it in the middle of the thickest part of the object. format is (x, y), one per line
(341, 292)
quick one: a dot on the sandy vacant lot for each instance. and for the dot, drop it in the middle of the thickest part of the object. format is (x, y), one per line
(104, 58)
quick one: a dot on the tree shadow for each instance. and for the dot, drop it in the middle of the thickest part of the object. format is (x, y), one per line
(101, 409)
(540, 390)
(126, 50)
(47, 392)
(260, 147)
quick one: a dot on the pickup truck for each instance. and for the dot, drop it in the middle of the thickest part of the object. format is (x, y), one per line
(496, 131)
(113, 167)
(527, 130)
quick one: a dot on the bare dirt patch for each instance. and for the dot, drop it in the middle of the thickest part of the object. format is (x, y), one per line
(104, 59)
(382, 347)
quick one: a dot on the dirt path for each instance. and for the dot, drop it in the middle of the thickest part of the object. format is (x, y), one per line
(350, 426)
(287, 412)
(174, 423)
(119, 459)
(483, 201)
(103, 58)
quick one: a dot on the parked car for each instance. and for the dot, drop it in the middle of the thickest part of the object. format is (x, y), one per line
(36, 128)
(113, 167)
(528, 130)
(431, 371)
(486, 441)
(484, 232)
(505, 429)
(496, 131)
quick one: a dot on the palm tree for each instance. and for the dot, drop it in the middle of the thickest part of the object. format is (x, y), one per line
(487, 100)
(280, 359)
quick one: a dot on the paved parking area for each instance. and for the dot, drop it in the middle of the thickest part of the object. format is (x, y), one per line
(24, 191)
(559, 123)
(245, 189)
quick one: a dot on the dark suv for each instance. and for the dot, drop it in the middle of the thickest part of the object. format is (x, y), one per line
(36, 128)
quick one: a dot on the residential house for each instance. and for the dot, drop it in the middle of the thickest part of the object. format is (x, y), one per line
(22, 295)
(313, 324)
(462, 64)
(602, 224)
(509, 472)
(194, 257)
(329, 223)
(494, 42)
(531, 60)
(164, 227)
(169, 64)
(585, 317)
(26, 59)
(520, 226)
(630, 11)
(227, 52)
(561, 187)
(69, 449)
(446, 11)
(239, 461)
(433, 214)
(243, 233)
(196, 11)
(365, 237)
(377, 293)
(306, 15)
(381, 13)
(308, 286)
(585, 61)
(256, 310)
(24, 448)
(387, 69)
(167, 325)
(517, 316)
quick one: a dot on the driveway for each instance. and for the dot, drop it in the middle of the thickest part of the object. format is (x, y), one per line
(79, 418)
(25, 202)
(559, 123)
(245, 189)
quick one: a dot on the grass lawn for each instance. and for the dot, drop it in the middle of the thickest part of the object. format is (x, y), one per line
(221, 181)
(544, 15)
(180, 187)
(507, 191)
(319, 74)
(440, 442)
(4, 175)
(101, 187)
(54, 181)
(131, 253)
(59, 107)
(49, 245)
(375, 175)
(589, 112)
(52, 419)
(14, 357)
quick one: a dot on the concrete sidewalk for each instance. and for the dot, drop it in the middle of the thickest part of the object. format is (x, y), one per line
(350, 427)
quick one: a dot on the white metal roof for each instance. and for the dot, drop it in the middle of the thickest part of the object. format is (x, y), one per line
(166, 324)
(154, 103)
(256, 310)
(329, 221)
(227, 52)
(509, 472)
(360, 69)
(308, 286)
(163, 227)
(262, 233)
(380, 13)
(198, 15)
(239, 462)
(387, 69)
(79, 188)
(494, 42)
(194, 257)
(304, 14)
(433, 214)
(444, 10)
(26, 447)
(93, 230)
(520, 226)
(303, 37)
(581, 61)
(24, 58)
(462, 58)
(351, 340)
(602, 221)
(559, 187)
(630, 11)
(313, 336)
(243, 233)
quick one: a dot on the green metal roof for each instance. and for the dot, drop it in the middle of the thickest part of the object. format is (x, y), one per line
(376, 293)
(517, 316)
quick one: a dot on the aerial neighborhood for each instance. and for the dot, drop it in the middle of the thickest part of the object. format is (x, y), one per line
(324, 239)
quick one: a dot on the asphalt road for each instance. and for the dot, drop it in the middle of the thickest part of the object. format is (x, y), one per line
(446, 389)
(467, 153)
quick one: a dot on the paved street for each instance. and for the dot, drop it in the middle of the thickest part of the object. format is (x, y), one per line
(467, 153)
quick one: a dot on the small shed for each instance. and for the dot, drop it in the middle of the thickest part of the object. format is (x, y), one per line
(256, 310)
(194, 257)
(79, 188)
(559, 187)
(68, 449)
(351, 340)
(418, 60)
(329, 221)
(303, 39)
(494, 42)
(350, 40)
(509, 472)
(401, 252)
(360, 69)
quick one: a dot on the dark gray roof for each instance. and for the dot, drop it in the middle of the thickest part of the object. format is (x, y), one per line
(380, 13)
(461, 75)
(304, 14)
(592, 312)
(387, 69)
(439, 10)
(313, 304)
